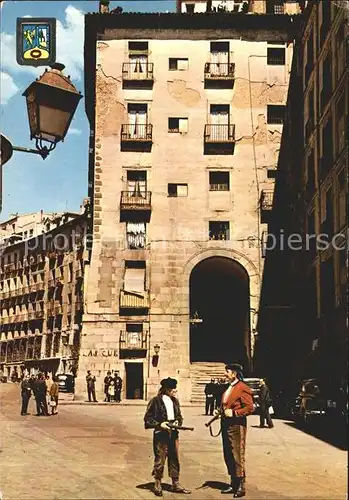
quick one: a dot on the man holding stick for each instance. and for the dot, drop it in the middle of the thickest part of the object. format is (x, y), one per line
(237, 403)
(163, 414)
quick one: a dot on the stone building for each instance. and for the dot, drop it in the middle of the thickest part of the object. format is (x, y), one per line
(240, 6)
(186, 115)
(311, 199)
(41, 292)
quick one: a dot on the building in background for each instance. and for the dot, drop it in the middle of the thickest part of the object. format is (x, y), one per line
(241, 6)
(303, 327)
(186, 116)
(41, 291)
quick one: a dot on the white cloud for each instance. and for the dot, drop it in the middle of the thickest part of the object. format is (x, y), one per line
(8, 88)
(74, 131)
(70, 44)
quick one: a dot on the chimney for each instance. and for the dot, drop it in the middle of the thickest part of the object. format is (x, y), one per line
(104, 6)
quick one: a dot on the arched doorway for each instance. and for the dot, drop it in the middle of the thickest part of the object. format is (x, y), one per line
(219, 293)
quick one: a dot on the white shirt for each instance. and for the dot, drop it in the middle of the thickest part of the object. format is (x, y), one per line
(169, 407)
(228, 391)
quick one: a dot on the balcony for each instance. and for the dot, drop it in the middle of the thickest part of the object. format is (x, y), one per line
(138, 74)
(219, 139)
(219, 75)
(133, 341)
(135, 200)
(136, 137)
(266, 205)
(134, 300)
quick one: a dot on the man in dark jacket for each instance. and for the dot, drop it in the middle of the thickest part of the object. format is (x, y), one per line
(26, 394)
(118, 387)
(210, 390)
(162, 410)
(91, 389)
(264, 404)
(107, 381)
(40, 390)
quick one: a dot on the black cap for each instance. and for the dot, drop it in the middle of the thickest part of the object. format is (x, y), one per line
(169, 383)
(234, 367)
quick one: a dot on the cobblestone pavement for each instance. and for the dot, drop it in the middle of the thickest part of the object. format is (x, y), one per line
(91, 452)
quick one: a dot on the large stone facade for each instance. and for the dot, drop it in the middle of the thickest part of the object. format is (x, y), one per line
(175, 150)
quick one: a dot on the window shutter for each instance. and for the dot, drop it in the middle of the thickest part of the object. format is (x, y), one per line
(134, 280)
(183, 125)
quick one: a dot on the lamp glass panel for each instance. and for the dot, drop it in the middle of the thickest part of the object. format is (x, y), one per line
(53, 123)
(32, 114)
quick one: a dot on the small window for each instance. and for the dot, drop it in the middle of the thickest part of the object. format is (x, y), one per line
(276, 114)
(134, 327)
(178, 64)
(276, 56)
(190, 8)
(219, 47)
(177, 190)
(138, 46)
(219, 230)
(271, 173)
(178, 125)
(219, 181)
(31, 232)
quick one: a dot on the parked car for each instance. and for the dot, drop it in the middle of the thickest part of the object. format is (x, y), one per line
(254, 385)
(66, 382)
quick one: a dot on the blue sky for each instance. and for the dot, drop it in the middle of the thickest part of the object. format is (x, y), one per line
(60, 182)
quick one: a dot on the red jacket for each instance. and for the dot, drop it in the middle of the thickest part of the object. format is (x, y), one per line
(240, 400)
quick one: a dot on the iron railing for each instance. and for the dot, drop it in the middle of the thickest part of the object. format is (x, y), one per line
(219, 71)
(138, 71)
(137, 132)
(135, 201)
(133, 340)
(219, 133)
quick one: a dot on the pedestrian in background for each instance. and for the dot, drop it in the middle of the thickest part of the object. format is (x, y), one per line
(111, 392)
(237, 403)
(54, 394)
(264, 401)
(48, 382)
(118, 387)
(221, 386)
(91, 386)
(210, 390)
(107, 381)
(40, 396)
(162, 410)
(26, 393)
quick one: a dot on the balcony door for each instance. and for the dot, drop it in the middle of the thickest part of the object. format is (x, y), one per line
(219, 58)
(137, 183)
(219, 119)
(137, 120)
(138, 58)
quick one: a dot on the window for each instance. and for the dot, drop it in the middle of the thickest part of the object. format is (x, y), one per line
(138, 46)
(31, 232)
(311, 233)
(178, 125)
(219, 181)
(340, 50)
(137, 182)
(342, 200)
(327, 148)
(178, 64)
(218, 230)
(275, 114)
(271, 173)
(276, 56)
(177, 190)
(275, 6)
(310, 184)
(190, 8)
(340, 120)
(222, 47)
(136, 235)
(134, 279)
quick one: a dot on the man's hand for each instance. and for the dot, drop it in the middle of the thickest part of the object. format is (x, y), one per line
(228, 412)
(176, 423)
(215, 413)
(164, 426)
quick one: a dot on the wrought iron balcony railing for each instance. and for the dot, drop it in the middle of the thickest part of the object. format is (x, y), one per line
(134, 300)
(131, 200)
(138, 71)
(218, 134)
(133, 340)
(266, 200)
(138, 132)
(219, 71)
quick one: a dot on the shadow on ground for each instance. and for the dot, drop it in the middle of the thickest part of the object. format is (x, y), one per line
(334, 435)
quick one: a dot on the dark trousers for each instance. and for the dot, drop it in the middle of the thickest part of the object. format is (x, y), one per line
(25, 402)
(118, 395)
(91, 391)
(234, 443)
(265, 416)
(41, 404)
(165, 445)
(209, 407)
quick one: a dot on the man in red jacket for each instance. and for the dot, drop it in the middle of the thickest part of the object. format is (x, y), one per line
(237, 403)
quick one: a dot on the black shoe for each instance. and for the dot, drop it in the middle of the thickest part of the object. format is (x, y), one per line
(228, 490)
(270, 427)
(240, 491)
(157, 488)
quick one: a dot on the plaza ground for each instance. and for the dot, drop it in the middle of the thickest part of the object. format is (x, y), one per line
(103, 452)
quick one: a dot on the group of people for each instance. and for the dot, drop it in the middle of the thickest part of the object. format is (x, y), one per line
(45, 390)
(112, 387)
(236, 403)
(214, 391)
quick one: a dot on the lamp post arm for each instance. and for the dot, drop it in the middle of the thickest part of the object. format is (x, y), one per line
(43, 152)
